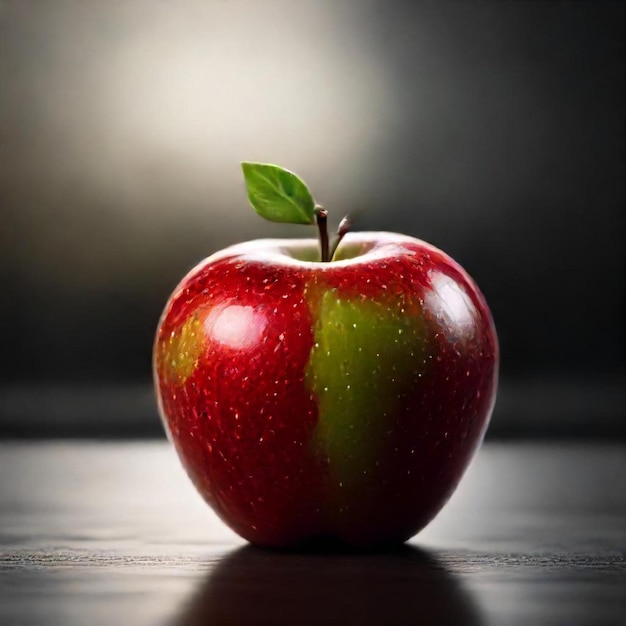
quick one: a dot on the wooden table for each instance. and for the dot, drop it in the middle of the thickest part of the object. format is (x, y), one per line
(95, 533)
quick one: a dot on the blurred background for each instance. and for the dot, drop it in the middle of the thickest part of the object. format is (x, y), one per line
(494, 130)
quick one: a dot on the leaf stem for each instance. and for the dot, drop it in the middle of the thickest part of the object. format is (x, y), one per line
(321, 217)
(344, 227)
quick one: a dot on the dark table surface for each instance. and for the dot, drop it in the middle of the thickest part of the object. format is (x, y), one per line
(113, 533)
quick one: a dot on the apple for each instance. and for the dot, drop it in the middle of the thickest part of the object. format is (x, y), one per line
(332, 397)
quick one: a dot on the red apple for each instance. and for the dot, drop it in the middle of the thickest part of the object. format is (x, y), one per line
(334, 400)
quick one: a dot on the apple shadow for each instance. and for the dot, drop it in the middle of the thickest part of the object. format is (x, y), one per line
(403, 586)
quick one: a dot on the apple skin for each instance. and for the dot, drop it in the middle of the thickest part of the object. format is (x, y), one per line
(335, 401)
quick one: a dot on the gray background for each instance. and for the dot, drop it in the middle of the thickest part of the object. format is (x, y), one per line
(494, 130)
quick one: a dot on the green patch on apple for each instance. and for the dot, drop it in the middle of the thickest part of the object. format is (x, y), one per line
(364, 359)
(183, 350)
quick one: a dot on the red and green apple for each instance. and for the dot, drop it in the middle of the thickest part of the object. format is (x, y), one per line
(335, 395)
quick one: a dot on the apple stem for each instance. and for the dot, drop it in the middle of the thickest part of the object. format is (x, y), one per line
(344, 227)
(321, 216)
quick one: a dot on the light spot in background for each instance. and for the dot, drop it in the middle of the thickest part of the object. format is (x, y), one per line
(229, 79)
(176, 95)
(129, 120)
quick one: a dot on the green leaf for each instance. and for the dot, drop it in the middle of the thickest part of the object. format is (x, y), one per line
(277, 194)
